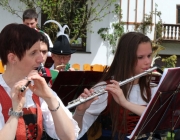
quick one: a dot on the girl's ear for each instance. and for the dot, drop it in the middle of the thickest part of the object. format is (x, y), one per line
(12, 58)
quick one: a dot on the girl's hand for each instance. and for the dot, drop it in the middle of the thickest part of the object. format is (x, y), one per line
(82, 107)
(116, 92)
(39, 86)
(18, 97)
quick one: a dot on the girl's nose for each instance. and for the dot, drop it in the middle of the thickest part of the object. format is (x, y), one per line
(148, 60)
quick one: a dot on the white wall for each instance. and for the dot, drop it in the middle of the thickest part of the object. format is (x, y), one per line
(97, 47)
(99, 53)
(99, 50)
(7, 18)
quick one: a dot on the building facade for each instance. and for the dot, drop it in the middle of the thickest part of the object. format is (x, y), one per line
(133, 12)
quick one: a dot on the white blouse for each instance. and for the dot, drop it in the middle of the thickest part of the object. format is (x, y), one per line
(47, 117)
(99, 105)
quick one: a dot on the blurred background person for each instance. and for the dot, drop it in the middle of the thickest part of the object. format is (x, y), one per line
(30, 19)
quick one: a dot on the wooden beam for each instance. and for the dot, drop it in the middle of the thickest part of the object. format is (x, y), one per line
(128, 14)
(151, 12)
(120, 9)
(136, 12)
(144, 4)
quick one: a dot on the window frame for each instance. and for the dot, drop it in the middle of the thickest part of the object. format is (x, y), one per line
(177, 14)
(78, 47)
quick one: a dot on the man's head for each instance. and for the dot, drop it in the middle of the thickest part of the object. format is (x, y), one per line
(30, 18)
(61, 51)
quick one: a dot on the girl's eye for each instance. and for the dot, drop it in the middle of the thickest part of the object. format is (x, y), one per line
(149, 55)
(33, 52)
(139, 57)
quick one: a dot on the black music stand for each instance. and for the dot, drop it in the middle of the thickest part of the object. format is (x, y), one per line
(163, 111)
(49, 62)
(70, 84)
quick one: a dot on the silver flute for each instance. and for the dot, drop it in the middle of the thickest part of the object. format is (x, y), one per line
(102, 90)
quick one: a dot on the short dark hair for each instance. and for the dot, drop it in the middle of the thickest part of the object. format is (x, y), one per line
(16, 38)
(30, 14)
(44, 39)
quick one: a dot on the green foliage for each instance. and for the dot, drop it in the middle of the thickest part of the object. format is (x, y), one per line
(144, 26)
(158, 25)
(118, 30)
(170, 61)
(77, 14)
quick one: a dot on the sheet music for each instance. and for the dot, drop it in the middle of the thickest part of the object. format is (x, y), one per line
(161, 80)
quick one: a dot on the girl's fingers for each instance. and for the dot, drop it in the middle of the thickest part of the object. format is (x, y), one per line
(86, 93)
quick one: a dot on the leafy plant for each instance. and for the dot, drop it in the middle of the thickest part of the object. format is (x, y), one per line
(144, 26)
(117, 28)
(77, 14)
(170, 61)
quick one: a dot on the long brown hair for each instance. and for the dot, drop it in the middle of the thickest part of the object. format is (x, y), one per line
(122, 68)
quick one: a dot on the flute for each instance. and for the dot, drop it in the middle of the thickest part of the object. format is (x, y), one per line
(102, 90)
(41, 67)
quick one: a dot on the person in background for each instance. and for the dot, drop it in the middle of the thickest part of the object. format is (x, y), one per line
(61, 54)
(30, 19)
(133, 56)
(61, 51)
(44, 48)
(25, 109)
(44, 45)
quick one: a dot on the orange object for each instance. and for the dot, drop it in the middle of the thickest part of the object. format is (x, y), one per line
(1, 67)
(87, 67)
(97, 67)
(76, 66)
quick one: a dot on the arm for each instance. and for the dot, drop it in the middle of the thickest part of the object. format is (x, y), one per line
(135, 108)
(63, 124)
(88, 112)
(8, 130)
(119, 97)
(81, 109)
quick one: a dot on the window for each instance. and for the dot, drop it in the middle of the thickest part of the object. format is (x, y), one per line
(77, 11)
(73, 14)
(178, 14)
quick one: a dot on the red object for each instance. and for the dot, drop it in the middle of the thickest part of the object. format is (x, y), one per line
(21, 132)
